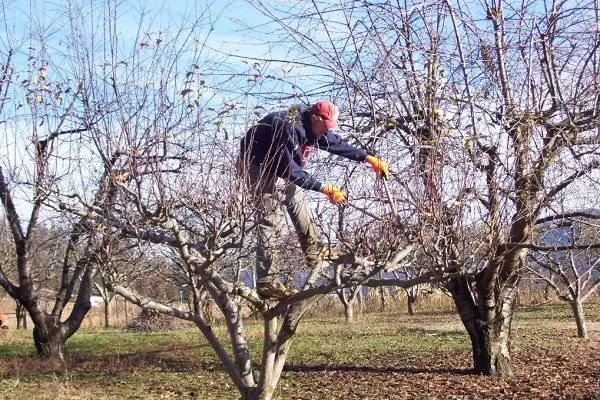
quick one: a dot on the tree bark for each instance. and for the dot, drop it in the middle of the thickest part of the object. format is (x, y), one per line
(21, 314)
(49, 333)
(411, 300)
(382, 299)
(275, 351)
(347, 297)
(475, 325)
(488, 323)
(348, 311)
(577, 307)
(107, 313)
(500, 330)
(49, 341)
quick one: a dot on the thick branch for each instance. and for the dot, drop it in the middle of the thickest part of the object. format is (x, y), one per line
(11, 212)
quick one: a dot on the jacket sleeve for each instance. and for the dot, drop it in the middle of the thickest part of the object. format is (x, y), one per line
(288, 167)
(302, 178)
(334, 144)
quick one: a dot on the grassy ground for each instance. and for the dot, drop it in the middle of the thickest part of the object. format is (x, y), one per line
(382, 356)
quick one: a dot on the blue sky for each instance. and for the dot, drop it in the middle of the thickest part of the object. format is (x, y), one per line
(231, 19)
(41, 30)
(240, 35)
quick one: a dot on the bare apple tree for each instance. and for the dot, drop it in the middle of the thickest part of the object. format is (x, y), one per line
(568, 261)
(40, 141)
(491, 121)
(161, 133)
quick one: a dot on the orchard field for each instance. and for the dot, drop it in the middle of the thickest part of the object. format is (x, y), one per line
(386, 355)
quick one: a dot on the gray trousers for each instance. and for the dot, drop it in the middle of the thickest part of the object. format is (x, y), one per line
(269, 194)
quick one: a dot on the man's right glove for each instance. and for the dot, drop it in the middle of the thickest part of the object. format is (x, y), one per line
(334, 194)
(381, 167)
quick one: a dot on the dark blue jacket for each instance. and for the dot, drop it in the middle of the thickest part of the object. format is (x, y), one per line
(277, 141)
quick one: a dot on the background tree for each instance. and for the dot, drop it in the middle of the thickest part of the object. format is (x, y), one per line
(131, 265)
(37, 108)
(573, 272)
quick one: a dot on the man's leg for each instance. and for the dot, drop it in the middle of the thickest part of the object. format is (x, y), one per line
(295, 203)
(268, 204)
(313, 248)
(270, 221)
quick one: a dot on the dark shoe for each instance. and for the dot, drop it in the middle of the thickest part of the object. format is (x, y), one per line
(274, 290)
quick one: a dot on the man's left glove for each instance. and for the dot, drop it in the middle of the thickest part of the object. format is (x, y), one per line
(381, 167)
(334, 194)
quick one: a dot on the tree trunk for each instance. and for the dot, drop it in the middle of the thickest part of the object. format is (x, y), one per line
(481, 348)
(21, 314)
(382, 298)
(126, 313)
(250, 394)
(488, 325)
(577, 308)
(347, 297)
(547, 291)
(348, 311)
(107, 312)
(500, 330)
(50, 333)
(49, 342)
(361, 301)
(476, 326)
(275, 349)
(411, 300)
(254, 393)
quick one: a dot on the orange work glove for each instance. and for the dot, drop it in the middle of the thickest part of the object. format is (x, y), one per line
(334, 194)
(381, 167)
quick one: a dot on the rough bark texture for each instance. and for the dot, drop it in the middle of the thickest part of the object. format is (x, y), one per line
(500, 340)
(50, 333)
(577, 308)
(476, 326)
(21, 314)
(349, 312)
(411, 300)
(348, 297)
(107, 313)
(49, 341)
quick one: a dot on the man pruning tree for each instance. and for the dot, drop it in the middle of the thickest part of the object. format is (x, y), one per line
(279, 146)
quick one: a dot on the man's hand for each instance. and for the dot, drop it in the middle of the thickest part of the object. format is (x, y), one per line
(381, 167)
(334, 194)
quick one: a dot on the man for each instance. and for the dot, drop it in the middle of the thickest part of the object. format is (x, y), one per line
(278, 146)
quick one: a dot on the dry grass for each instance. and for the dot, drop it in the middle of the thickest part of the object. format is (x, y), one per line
(384, 355)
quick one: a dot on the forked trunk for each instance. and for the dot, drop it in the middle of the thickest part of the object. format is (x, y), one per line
(489, 330)
(476, 327)
(347, 297)
(275, 349)
(49, 342)
(491, 349)
(50, 333)
(577, 308)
